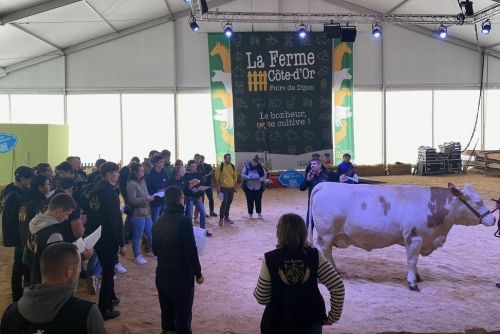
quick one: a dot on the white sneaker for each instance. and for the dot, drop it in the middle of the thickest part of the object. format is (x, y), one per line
(250, 216)
(140, 260)
(92, 284)
(260, 216)
(119, 269)
(114, 277)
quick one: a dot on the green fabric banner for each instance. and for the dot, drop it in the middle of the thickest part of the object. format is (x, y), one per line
(343, 97)
(222, 97)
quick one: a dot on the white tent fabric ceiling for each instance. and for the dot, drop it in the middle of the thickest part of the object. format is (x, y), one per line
(69, 23)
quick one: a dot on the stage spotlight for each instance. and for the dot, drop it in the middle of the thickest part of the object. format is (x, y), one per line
(192, 23)
(302, 30)
(348, 34)
(486, 28)
(442, 32)
(376, 31)
(228, 29)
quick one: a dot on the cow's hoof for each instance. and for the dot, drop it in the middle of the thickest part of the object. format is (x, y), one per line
(413, 288)
(418, 278)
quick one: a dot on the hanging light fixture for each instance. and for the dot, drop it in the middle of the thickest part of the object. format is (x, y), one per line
(376, 31)
(192, 23)
(228, 29)
(302, 31)
(442, 32)
(486, 27)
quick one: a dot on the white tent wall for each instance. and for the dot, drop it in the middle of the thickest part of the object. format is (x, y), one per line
(154, 61)
(46, 75)
(140, 60)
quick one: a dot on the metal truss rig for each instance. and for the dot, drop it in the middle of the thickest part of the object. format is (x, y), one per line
(453, 19)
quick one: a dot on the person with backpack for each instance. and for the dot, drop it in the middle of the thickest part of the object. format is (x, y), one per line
(13, 196)
(253, 175)
(225, 179)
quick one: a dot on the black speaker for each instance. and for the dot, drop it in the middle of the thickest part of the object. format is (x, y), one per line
(348, 34)
(332, 31)
(204, 7)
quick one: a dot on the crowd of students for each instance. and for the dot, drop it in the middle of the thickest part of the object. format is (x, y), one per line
(41, 211)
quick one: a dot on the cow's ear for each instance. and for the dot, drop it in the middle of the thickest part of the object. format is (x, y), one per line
(455, 191)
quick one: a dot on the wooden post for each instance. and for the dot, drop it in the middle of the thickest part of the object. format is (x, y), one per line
(485, 163)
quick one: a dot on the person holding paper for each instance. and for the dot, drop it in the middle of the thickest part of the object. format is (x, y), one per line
(73, 227)
(139, 199)
(105, 211)
(177, 179)
(253, 175)
(345, 168)
(210, 192)
(156, 181)
(195, 196)
(43, 233)
(178, 264)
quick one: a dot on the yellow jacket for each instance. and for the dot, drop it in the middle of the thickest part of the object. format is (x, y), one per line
(226, 178)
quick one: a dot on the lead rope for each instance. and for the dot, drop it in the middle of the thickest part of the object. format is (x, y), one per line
(497, 233)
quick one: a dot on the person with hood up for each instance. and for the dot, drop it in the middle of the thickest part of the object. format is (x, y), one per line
(105, 212)
(50, 307)
(43, 232)
(13, 195)
(32, 197)
(139, 199)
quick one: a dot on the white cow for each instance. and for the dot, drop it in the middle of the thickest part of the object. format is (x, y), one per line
(226, 116)
(341, 113)
(339, 76)
(375, 216)
(225, 78)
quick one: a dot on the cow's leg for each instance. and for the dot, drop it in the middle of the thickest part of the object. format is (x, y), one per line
(413, 245)
(324, 244)
(417, 276)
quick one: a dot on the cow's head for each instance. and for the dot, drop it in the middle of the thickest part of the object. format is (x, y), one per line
(473, 209)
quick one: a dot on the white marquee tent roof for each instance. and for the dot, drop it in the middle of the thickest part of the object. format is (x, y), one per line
(37, 30)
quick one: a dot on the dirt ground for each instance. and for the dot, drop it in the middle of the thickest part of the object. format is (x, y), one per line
(458, 292)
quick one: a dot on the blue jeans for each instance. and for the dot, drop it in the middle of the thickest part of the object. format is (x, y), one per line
(140, 225)
(201, 208)
(156, 212)
(94, 266)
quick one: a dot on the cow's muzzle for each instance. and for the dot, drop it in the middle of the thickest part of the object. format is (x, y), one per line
(477, 214)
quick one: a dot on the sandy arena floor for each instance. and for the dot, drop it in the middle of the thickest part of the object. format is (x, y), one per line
(458, 292)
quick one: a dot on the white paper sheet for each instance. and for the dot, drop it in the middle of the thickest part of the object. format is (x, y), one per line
(202, 188)
(159, 194)
(220, 196)
(200, 239)
(355, 178)
(80, 245)
(92, 239)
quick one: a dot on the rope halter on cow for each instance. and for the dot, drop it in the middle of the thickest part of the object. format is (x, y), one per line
(497, 233)
(479, 216)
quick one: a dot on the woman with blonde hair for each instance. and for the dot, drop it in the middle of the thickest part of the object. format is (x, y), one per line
(288, 283)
